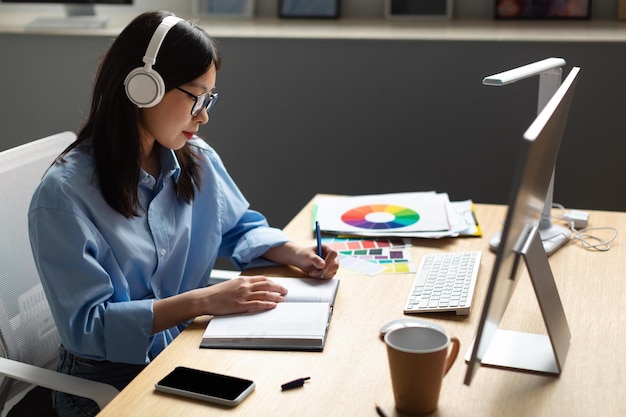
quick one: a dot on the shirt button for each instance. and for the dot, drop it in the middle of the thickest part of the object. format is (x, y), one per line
(163, 252)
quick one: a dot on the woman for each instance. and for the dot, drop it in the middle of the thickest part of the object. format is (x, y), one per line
(127, 224)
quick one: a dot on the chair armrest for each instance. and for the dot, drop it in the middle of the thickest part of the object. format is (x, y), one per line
(101, 393)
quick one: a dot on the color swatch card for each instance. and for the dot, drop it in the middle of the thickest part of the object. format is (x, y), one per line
(360, 266)
(373, 256)
(397, 214)
(356, 243)
(394, 261)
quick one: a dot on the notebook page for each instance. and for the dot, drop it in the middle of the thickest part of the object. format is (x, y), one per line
(309, 290)
(287, 319)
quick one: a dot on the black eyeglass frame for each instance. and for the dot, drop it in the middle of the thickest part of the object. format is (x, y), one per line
(206, 100)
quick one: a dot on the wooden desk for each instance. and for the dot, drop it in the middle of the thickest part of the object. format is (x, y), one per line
(352, 374)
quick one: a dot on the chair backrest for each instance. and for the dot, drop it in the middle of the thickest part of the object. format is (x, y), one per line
(27, 331)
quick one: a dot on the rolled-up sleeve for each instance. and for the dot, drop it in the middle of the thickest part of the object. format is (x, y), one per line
(250, 246)
(246, 234)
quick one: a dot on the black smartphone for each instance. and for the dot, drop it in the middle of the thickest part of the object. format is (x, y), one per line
(206, 386)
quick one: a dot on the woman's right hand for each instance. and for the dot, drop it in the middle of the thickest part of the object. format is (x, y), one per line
(237, 295)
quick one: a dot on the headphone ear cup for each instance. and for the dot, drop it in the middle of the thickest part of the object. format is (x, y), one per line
(144, 88)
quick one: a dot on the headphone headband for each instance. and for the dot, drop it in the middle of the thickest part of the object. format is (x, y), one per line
(158, 37)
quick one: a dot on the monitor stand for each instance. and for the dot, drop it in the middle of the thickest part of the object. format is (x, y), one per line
(552, 239)
(552, 235)
(528, 351)
(77, 16)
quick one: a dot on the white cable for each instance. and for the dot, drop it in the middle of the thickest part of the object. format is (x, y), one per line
(592, 242)
(560, 207)
(587, 241)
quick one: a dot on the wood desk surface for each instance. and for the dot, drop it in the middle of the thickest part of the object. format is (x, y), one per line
(351, 374)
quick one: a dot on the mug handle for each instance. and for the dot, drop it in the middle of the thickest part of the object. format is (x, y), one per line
(455, 345)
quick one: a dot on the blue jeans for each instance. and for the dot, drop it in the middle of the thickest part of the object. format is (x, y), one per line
(116, 374)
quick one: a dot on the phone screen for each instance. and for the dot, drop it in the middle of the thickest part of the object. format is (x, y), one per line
(206, 385)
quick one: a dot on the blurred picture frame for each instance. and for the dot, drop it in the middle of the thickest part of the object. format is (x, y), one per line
(309, 9)
(224, 8)
(418, 9)
(542, 9)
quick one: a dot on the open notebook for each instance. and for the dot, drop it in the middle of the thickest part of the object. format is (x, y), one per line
(299, 323)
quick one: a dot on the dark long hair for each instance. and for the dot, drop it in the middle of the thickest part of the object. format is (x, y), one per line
(186, 53)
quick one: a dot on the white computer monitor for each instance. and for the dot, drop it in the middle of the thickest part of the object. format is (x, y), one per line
(79, 14)
(521, 243)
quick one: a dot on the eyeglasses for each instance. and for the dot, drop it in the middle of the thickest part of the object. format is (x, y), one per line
(203, 101)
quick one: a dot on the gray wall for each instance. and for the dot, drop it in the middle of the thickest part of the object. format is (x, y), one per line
(361, 117)
(298, 116)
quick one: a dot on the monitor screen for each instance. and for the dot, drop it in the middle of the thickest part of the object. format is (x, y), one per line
(70, 1)
(79, 14)
(538, 152)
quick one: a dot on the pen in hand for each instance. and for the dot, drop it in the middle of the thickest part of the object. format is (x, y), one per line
(318, 237)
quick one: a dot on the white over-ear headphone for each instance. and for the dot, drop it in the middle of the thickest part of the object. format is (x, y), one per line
(144, 86)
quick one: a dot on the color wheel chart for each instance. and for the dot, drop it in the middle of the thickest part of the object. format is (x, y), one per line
(380, 216)
(383, 215)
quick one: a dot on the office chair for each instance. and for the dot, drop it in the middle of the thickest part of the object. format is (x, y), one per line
(28, 336)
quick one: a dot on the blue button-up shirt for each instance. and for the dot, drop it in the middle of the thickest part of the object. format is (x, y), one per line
(102, 272)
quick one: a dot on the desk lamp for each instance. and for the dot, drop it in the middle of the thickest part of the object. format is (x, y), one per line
(549, 71)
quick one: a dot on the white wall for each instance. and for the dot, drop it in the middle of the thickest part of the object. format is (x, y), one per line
(601, 9)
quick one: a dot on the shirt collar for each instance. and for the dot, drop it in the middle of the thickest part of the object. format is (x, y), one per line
(169, 167)
(169, 164)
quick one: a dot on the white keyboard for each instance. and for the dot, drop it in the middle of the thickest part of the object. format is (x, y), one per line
(444, 282)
